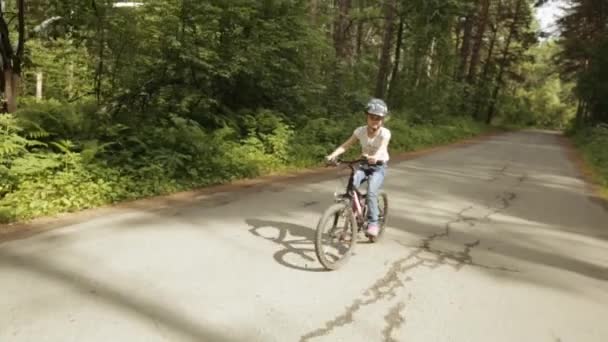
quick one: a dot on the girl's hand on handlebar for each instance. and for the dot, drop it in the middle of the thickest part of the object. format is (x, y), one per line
(368, 159)
(330, 160)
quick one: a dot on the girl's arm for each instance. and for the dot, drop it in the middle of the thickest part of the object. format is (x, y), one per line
(345, 146)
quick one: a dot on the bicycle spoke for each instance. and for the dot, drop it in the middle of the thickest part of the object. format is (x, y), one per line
(337, 238)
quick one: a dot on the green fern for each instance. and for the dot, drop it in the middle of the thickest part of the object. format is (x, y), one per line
(92, 148)
(11, 144)
(9, 125)
(64, 145)
(35, 163)
(32, 130)
(70, 158)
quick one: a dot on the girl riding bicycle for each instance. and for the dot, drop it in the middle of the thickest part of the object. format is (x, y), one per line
(374, 140)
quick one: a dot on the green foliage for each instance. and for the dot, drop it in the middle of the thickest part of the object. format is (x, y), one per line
(408, 137)
(542, 99)
(178, 154)
(584, 58)
(318, 136)
(594, 144)
(11, 143)
(593, 83)
(176, 94)
(64, 65)
(52, 118)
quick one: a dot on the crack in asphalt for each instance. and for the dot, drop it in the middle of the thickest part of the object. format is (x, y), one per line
(387, 286)
(310, 204)
(464, 258)
(499, 173)
(394, 320)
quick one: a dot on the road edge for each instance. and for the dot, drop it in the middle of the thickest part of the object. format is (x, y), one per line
(585, 170)
(25, 229)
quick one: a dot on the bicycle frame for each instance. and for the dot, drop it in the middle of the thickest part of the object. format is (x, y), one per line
(352, 206)
(353, 195)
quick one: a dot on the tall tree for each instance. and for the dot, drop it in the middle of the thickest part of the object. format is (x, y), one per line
(314, 10)
(504, 62)
(465, 49)
(495, 24)
(12, 59)
(585, 46)
(390, 9)
(395, 73)
(342, 30)
(480, 30)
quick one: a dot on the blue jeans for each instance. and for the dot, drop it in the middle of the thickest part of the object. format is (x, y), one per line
(375, 180)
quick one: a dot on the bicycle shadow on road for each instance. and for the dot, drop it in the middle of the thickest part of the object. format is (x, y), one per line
(297, 241)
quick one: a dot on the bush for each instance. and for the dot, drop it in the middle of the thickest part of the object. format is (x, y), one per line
(316, 139)
(407, 137)
(594, 144)
(116, 163)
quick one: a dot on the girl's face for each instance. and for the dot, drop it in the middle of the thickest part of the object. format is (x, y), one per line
(374, 121)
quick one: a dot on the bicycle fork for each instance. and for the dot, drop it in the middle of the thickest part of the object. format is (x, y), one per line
(358, 209)
(357, 204)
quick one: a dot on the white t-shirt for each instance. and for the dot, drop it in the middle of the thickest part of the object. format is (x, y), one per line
(372, 146)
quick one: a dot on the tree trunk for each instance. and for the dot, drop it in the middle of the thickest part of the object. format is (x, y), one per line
(486, 69)
(39, 85)
(99, 69)
(359, 42)
(390, 7)
(465, 50)
(11, 89)
(503, 63)
(71, 80)
(428, 62)
(579, 113)
(342, 40)
(17, 59)
(458, 32)
(417, 64)
(314, 8)
(11, 60)
(361, 4)
(481, 28)
(395, 73)
(99, 13)
(585, 112)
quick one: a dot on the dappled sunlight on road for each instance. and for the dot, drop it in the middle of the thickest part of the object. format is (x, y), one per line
(476, 227)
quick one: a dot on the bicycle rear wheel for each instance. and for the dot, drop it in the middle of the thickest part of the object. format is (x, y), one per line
(336, 236)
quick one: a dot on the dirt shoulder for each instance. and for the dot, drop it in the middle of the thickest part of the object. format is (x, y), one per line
(207, 195)
(596, 193)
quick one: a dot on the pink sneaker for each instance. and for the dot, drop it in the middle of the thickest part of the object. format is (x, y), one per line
(373, 229)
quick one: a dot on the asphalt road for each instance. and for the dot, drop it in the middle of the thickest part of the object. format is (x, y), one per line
(496, 241)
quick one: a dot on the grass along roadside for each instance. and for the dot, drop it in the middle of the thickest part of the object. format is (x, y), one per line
(593, 145)
(70, 185)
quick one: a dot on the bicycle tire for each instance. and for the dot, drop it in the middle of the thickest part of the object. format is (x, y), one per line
(350, 225)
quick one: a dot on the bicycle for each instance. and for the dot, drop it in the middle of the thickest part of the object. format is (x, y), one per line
(351, 206)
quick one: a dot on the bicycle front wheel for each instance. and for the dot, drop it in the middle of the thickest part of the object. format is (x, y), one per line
(336, 236)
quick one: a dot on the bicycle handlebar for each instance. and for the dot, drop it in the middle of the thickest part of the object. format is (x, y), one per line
(352, 162)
